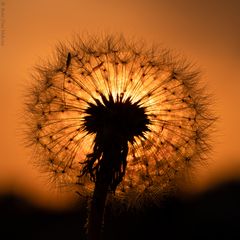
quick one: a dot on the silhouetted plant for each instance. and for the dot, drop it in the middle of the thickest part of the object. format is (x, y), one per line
(116, 119)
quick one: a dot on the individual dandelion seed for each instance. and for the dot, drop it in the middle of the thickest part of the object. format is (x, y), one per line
(116, 119)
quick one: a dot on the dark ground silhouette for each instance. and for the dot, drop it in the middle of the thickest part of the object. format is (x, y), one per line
(214, 214)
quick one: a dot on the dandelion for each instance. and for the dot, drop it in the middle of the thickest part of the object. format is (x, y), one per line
(116, 120)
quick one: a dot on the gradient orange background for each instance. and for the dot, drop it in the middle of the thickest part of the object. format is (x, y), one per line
(207, 32)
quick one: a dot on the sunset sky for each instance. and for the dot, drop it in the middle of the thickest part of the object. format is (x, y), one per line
(206, 32)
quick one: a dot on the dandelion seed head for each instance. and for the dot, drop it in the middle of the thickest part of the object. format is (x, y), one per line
(106, 88)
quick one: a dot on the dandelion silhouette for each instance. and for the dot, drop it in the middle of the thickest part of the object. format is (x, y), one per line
(116, 119)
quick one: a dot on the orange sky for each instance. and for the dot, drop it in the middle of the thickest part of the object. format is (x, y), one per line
(207, 32)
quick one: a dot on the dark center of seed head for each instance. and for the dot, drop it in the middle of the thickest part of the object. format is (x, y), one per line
(116, 118)
(115, 122)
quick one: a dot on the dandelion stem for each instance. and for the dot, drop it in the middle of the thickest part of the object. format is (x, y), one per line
(96, 212)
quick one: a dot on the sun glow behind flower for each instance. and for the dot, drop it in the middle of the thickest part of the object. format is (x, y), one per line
(96, 72)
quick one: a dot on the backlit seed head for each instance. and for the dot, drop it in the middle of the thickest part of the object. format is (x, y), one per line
(100, 93)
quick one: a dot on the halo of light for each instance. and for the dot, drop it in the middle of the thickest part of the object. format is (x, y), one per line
(164, 86)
